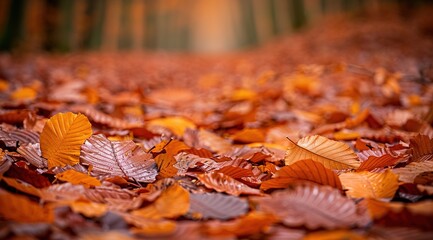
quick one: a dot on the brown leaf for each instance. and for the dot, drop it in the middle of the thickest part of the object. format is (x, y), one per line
(422, 148)
(32, 153)
(89, 209)
(166, 161)
(28, 176)
(235, 172)
(185, 161)
(374, 162)
(223, 183)
(22, 186)
(216, 206)
(304, 170)
(409, 172)
(332, 154)
(313, 206)
(118, 158)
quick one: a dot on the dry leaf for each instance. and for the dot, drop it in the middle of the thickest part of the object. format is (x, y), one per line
(304, 170)
(185, 161)
(249, 135)
(223, 183)
(22, 186)
(166, 161)
(367, 184)
(216, 206)
(32, 153)
(336, 234)
(89, 209)
(332, 154)
(78, 178)
(374, 162)
(409, 172)
(172, 203)
(118, 158)
(422, 148)
(21, 209)
(62, 137)
(313, 206)
(254, 222)
(235, 172)
(176, 125)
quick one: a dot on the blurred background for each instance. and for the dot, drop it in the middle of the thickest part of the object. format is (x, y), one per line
(169, 25)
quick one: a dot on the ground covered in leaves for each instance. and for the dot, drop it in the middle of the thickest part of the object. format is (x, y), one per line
(324, 135)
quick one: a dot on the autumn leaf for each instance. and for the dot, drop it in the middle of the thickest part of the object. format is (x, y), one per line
(62, 137)
(89, 209)
(304, 170)
(21, 209)
(249, 135)
(216, 206)
(123, 158)
(367, 184)
(422, 147)
(172, 203)
(176, 125)
(377, 159)
(409, 172)
(332, 154)
(223, 183)
(76, 177)
(166, 161)
(32, 153)
(313, 206)
(22, 186)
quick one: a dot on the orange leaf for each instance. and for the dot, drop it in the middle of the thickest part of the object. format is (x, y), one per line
(176, 125)
(253, 222)
(172, 203)
(62, 137)
(236, 172)
(332, 154)
(368, 184)
(249, 135)
(374, 162)
(25, 93)
(22, 186)
(77, 178)
(223, 183)
(89, 209)
(21, 209)
(346, 135)
(307, 170)
(166, 161)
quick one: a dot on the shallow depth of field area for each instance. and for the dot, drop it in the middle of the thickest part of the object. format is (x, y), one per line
(216, 119)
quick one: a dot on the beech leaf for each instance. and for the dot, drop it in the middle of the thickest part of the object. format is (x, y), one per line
(332, 154)
(76, 178)
(409, 172)
(223, 183)
(304, 170)
(422, 148)
(62, 137)
(369, 184)
(313, 206)
(217, 206)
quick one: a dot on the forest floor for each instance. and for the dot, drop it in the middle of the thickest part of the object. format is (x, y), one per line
(326, 134)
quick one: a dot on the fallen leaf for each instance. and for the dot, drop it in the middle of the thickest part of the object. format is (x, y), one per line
(216, 206)
(21, 209)
(249, 135)
(335, 234)
(62, 137)
(32, 153)
(304, 170)
(172, 203)
(409, 172)
(77, 178)
(374, 162)
(123, 158)
(313, 206)
(422, 148)
(367, 184)
(89, 209)
(332, 154)
(176, 125)
(22, 186)
(223, 183)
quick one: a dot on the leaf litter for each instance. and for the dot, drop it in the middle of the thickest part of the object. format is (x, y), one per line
(303, 138)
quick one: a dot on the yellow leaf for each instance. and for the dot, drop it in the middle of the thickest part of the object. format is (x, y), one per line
(176, 125)
(78, 178)
(21, 209)
(172, 203)
(332, 154)
(89, 209)
(62, 137)
(368, 184)
(25, 93)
